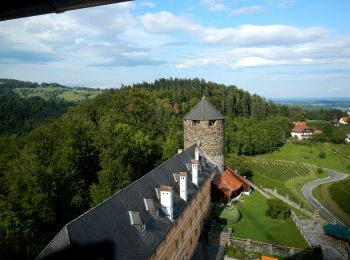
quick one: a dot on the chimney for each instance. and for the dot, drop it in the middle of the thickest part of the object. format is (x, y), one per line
(196, 153)
(179, 151)
(195, 172)
(183, 186)
(166, 200)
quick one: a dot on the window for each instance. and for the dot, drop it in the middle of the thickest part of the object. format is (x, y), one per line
(196, 232)
(190, 221)
(182, 234)
(195, 122)
(196, 212)
(211, 122)
(191, 241)
(176, 244)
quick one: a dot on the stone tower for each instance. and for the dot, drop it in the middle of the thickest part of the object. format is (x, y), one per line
(204, 125)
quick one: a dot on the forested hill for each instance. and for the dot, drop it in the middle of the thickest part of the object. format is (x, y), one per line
(64, 167)
(26, 105)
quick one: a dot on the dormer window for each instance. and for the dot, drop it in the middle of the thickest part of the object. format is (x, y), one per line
(195, 122)
(151, 207)
(136, 221)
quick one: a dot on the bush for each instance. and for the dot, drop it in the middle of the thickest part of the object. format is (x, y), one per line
(322, 155)
(227, 215)
(277, 209)
(319, 170)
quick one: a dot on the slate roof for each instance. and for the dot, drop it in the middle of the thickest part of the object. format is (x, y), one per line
(204, 111)
(109, 222)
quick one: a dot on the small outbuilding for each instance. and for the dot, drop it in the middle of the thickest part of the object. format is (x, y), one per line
(228, 186)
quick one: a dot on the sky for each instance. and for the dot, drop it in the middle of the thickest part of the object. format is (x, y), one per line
(275, 48)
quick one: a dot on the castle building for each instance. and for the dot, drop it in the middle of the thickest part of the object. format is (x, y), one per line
(204, 125)
(161, 215)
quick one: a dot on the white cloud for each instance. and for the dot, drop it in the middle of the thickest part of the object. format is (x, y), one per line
(168, 23)
(147, 4)
(214, 5)
(247, 10)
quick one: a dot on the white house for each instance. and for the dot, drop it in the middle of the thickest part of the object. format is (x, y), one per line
(301, 131)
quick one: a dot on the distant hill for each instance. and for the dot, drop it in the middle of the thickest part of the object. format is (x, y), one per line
(47, 91)
(25, 105)
(317, 103)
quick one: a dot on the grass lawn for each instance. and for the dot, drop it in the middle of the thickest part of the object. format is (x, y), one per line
(322, 194)
(256, 226)
(309, 153)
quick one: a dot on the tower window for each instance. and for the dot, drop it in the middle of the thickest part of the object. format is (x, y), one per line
(195, 122)
(211, 122)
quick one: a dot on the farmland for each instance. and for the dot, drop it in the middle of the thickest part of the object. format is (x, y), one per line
(335, 158)
(52, 92)
(286, 177)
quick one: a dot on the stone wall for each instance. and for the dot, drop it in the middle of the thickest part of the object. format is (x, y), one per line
(269, 249)
(210, 139)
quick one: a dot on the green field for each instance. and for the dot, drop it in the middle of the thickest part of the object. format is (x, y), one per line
(256, 226)
(335, 197)
(287, 178)
(309, 153)
(68, 94)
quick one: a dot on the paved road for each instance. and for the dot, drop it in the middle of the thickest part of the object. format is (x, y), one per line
(307, 193)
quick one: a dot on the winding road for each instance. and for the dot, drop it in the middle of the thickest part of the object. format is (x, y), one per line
(307, 193)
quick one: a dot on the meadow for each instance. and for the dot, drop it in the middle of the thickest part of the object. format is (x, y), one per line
(256, 226)
(335, 197)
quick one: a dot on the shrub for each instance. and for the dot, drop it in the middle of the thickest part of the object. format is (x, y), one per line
(227, 215)
(319, 170)
(322, 155)
(277, 209)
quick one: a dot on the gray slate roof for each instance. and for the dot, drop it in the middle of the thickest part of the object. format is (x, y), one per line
(204, 111)
(109, 221)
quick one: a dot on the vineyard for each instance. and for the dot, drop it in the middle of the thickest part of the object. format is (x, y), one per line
(340, 193)
(280, 171)
(287, 178)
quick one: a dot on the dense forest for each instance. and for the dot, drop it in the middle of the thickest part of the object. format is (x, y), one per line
(20, 115)
(65, 166)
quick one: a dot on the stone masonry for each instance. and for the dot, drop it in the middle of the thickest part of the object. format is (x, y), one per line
(209, 138)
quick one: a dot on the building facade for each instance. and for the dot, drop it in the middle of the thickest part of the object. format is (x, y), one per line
(204, 125)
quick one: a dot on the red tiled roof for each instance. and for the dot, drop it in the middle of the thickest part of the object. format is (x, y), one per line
(227, 183)
(345, 118)
(300, 128)
(298, 123)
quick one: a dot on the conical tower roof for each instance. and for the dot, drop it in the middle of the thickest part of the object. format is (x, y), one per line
(204, 111)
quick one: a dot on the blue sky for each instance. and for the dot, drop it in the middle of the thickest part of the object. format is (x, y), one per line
(275, 48)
